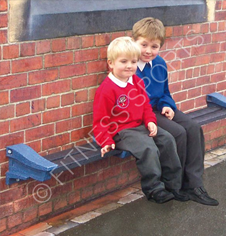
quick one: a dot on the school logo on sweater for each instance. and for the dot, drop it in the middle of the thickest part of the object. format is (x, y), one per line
(123, 101)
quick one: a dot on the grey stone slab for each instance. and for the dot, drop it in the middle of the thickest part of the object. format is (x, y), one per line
(59, 229)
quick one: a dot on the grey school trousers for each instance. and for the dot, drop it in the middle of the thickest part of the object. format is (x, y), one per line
(156, 158)
(190, 145)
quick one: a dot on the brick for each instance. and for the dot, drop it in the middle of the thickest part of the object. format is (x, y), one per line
(213, 26)
(85, 181)
(177, 31)
(87, 41)
(67, 125)
(27, 49)
(42, 76)
(25, 122)
(102, 39)
(2, 225)
(97, 166)
(108, 173)
(205, 28)
(99, 188)
(13, 81)
(74, 42)
(209, 89)
(4, 67)
(221, 26)
(80, 133)
(67, 99)
(3, 5)
(187, 105)
(61, 189)
(223, 47)
(194, 92)
(4, 127)
(218, 77)
(43, 47)
(23, 109)
(218, 5)
(6, 112)
(55, 115)
(190, 62)
(212, 48)
(175, 87)
(111, 183)
(81, 96)
(115, 35)
(53, 102)
(3, 36)
(24, 203)
(173, 43)
(72, 70)
(198, 50)
(103, 53)
(169, 31)
(196, 28)
(4, 98)
(181, 96)
(219, 67)
(196, 72)
(200, 102)
(218, 37)
(86, 55)
(221, 15)
(24, 94)
(87, 192)
(200, 60)
(39, 132)
(87, 119)
(45, 209)
(28, 64)
(203, 70)
(210, 69)
(30, 214)
(221, 85)
(36, 145)
(6, 210)
(38, 105)
(12, 195)
(81, 109)
(55, 141)
(84, 82)
(58, 45)
(123, 179)
(15, 220)
(74, 197)
(10, 51)
(217, 57)
(59, 203)
(92, 93)
(3, 157)
(96, 66)
(58, 59)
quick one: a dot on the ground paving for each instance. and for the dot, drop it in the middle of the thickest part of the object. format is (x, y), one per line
(127, 212)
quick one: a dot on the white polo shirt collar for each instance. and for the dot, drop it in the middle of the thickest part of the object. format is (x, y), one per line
(119, 82)
(142, 64)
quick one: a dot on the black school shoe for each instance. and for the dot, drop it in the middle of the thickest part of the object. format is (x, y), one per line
(160, 196)
(201, 196)
(179, 195)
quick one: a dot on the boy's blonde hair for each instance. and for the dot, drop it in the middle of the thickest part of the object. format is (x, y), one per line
(122, 46)
(149, 28)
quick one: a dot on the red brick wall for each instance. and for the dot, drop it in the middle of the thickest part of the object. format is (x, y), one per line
(46, 93)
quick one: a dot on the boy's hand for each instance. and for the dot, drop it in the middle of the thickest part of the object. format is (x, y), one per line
(168, 112)
(106, 149)
(152, 128)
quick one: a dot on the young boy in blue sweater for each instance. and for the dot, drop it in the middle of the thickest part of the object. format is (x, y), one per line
(149, 34)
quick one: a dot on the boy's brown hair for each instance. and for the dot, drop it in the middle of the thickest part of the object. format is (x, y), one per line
(150, 28)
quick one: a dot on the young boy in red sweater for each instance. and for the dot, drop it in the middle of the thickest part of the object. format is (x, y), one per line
(149, 34)
(123, 119)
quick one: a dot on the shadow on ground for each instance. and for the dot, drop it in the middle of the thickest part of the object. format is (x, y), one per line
(143, 218)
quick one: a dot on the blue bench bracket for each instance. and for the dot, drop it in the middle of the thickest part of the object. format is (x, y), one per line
(25, 163)
(216, 99)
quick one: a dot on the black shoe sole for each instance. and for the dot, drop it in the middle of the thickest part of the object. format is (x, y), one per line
(198, 200)
(167, 199)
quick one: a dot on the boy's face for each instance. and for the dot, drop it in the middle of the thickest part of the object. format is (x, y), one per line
(123, 67)
(149, 48)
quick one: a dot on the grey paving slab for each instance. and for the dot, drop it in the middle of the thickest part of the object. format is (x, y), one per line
(143, 218)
